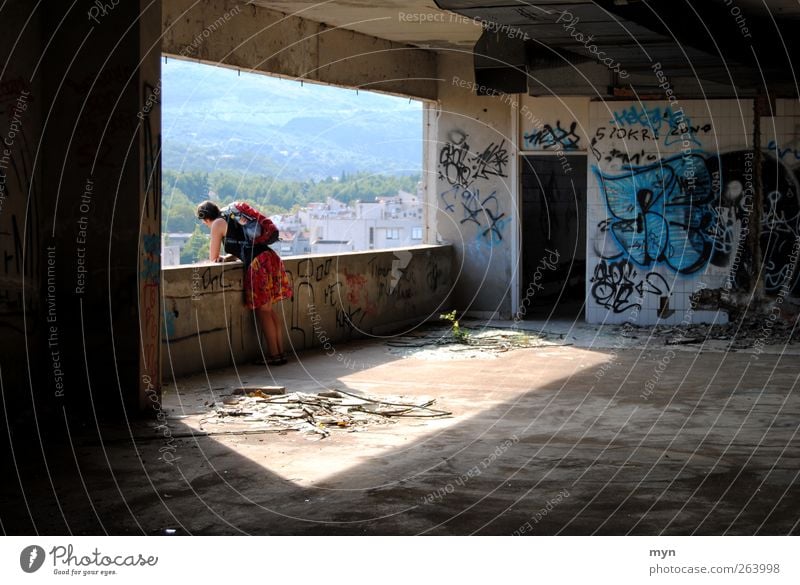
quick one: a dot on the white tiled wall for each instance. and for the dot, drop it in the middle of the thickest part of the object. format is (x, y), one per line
(730, 130)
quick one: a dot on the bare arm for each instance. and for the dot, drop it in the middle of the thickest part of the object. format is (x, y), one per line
(218, 229)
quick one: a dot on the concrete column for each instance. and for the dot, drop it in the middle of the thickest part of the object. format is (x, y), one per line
(84, 273)
(476, 211)
(21, 241)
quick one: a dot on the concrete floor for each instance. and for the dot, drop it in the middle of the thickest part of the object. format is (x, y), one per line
(557, 439)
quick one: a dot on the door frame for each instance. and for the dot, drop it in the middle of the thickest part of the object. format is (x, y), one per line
(584, 219)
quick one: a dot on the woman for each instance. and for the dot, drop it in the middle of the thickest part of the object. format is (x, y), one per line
(245, 234)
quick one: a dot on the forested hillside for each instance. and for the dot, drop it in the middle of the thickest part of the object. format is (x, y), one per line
(184, 190)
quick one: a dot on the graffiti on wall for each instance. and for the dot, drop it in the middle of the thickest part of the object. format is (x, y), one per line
(788, 154)
(553, 137)
(149, 282)
(150, 262)
(664, 122)
(311, 272)
(686, 226)
(484, 212)
(780, 218)
(356, 284)
(662, 213)
(350, 295)
(685, 212)
(462, 169)
(213, 280)
(617, 287)
(643, 134)
(349, 320)
(627, 157)
(459, 165)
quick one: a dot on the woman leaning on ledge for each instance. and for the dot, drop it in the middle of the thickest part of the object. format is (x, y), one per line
(265, 279)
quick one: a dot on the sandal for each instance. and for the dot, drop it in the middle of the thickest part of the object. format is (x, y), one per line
(277, 360)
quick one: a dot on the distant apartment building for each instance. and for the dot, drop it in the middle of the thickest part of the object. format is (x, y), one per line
(172, 245)
(170, 256)
(333, 226)
(292, 242)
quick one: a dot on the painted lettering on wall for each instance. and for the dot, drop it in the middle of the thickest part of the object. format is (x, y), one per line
(553, 137)
(616, 286)
(673, 211)
(662, 213)
(462, 170)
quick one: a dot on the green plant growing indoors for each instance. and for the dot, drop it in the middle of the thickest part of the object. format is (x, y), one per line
(459, 334)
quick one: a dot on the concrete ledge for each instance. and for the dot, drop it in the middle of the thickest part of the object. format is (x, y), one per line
(336, 298)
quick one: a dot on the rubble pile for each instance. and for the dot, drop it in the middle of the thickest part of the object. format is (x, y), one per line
(745, 333)
(481, 342)
(313, 414)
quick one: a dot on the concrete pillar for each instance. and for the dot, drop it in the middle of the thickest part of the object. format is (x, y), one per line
(476, 211)
(83, 279)
(21, 240)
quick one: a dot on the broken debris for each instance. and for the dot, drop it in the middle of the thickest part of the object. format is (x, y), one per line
(312, 414)
(742, 334)
(260, 390)
(436, 342)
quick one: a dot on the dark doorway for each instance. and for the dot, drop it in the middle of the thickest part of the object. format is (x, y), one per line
(553, 267)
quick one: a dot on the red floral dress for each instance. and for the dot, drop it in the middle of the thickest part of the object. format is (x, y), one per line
(266, 281)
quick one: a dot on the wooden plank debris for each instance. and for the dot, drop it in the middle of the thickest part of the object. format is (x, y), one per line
(251, 408)
(257, 391)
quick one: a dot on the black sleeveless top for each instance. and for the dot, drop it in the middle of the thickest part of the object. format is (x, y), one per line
(238, 243)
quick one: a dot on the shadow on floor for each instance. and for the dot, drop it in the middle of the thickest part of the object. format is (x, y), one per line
(564, 439)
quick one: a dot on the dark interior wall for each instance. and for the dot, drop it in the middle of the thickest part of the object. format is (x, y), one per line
(24, 259)
(103, 146)
(87, 197)
(553, 236)
(556, 200)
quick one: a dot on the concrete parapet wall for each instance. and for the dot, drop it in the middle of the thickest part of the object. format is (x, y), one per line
(336, 298)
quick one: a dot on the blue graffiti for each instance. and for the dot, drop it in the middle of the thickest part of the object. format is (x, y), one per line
(151, 263)
(483, 212)
(169, 322)
(493, 236)
(461, 169)
(781, 153)
(664, 121)
(657, 118)
(663, 213)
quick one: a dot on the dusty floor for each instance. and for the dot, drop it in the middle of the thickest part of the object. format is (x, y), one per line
(579, 432)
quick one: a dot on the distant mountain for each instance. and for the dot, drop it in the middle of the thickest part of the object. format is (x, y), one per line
(216, 119)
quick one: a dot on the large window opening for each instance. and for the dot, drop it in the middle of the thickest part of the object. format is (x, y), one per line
(334, 168)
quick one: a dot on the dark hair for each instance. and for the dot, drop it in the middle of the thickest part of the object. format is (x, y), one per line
(208, 210)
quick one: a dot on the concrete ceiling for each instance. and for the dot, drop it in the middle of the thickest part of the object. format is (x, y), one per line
(709, 46)
(421, 23)
(414, 22)
(702, 39)
(777, 7)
